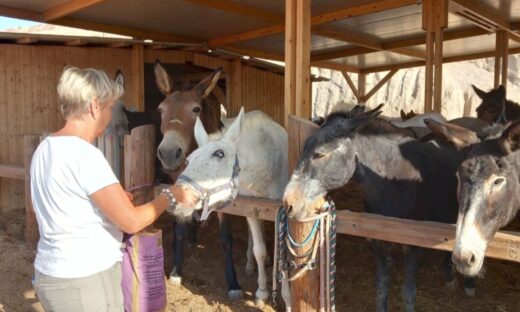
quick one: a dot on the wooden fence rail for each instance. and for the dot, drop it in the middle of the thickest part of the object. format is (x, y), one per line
(505, 245)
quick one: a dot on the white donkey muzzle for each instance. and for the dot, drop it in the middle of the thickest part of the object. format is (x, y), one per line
(205, 194)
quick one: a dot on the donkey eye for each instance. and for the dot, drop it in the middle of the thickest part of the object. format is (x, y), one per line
(318, 156)
(196, 110)
(160, 110)
(499, 181)
(219, 154)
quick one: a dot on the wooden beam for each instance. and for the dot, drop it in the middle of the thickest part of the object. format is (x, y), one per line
(21, 13)
(364, 40)
(379, 85)
(137, 77)
(341, 53)
(449, 59)
(68, 8)
(505, 245)
(501, 58)
(240, 9)
(336, 66)
(483, 16)
(352, 86)
(76, 42)
(290, 61)
(12, 172)
(255, 53)
(26, 40)
(303, 58)
(120, 44)
(362, 85)
(125, 31)
(316, 20)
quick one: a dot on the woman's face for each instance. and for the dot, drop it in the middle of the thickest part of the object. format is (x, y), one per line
(104, 115)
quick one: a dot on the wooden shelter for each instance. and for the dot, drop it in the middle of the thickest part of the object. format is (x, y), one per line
(355, 37)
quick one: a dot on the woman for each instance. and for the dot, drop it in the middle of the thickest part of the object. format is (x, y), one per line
(80, 205)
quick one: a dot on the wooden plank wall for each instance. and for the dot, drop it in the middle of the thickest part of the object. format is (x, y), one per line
(28, 99)
(29, 105)
(264, 91)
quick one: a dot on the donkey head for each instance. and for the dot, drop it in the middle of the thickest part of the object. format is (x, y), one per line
(487, 191)
(317, 171)
(212, 169)
(119, 123)
(179, 111)
(493, 103)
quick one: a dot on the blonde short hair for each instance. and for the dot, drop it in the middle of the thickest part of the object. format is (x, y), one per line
(78, 87)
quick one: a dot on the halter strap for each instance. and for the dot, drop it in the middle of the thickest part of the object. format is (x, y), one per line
(205, 193)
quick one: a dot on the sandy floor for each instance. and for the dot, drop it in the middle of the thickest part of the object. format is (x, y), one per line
(204, 287)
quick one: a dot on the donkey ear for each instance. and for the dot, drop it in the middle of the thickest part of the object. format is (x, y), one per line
(120, 78)
(456, 135)
(403, 115)
(162, 79)
(509, 142)
(207, 85)
(481, 94)
(201, 136)
(233, 131)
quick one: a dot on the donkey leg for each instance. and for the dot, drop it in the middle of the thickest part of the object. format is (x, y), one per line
(250, 265)
(383, 265)
(178, 248)
(191, 234)
(259, 251)
(450, 277)
(469, 286)
(411, 266)
(226, 239)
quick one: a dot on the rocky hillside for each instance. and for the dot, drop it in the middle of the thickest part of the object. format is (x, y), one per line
(405, 90)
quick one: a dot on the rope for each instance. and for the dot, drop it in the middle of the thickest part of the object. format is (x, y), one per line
(323, 237)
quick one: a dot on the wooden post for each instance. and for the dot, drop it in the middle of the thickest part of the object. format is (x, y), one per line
(305, 290)
(362, 85)
(501, 58)
(137, 77)
(139, 162)
(304, 296)
(435, 18)
(32, 235)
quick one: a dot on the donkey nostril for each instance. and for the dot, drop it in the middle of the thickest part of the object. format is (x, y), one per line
(289, 209)
(178, 153)
(472, 260)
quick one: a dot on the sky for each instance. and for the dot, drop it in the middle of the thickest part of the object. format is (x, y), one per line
(6, 22)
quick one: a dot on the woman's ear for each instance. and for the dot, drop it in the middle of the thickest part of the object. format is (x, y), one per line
(94, 108)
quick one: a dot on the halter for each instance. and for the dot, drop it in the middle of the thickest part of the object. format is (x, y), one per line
(205, 193)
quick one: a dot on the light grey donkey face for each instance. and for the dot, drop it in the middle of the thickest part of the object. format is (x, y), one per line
(211, 165)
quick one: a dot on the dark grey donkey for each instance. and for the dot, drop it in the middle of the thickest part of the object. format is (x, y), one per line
(400, 176)
(488, 194)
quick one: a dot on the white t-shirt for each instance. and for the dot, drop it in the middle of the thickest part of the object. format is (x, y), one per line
(76, 238)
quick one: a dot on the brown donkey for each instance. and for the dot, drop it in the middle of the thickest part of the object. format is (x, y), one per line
(179, 111)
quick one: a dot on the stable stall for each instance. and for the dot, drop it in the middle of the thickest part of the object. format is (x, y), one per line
(357, 38)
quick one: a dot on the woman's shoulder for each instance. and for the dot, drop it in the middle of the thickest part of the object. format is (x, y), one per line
(70, 145)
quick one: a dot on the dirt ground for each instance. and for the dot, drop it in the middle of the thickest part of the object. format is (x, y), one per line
(204, 287)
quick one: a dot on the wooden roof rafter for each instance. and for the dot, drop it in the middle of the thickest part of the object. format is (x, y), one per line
(68, 8)
(315, 21)
(448, 59)
(482, 16)
(345, 36)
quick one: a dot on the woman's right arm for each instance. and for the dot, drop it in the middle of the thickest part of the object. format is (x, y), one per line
(116, 205)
